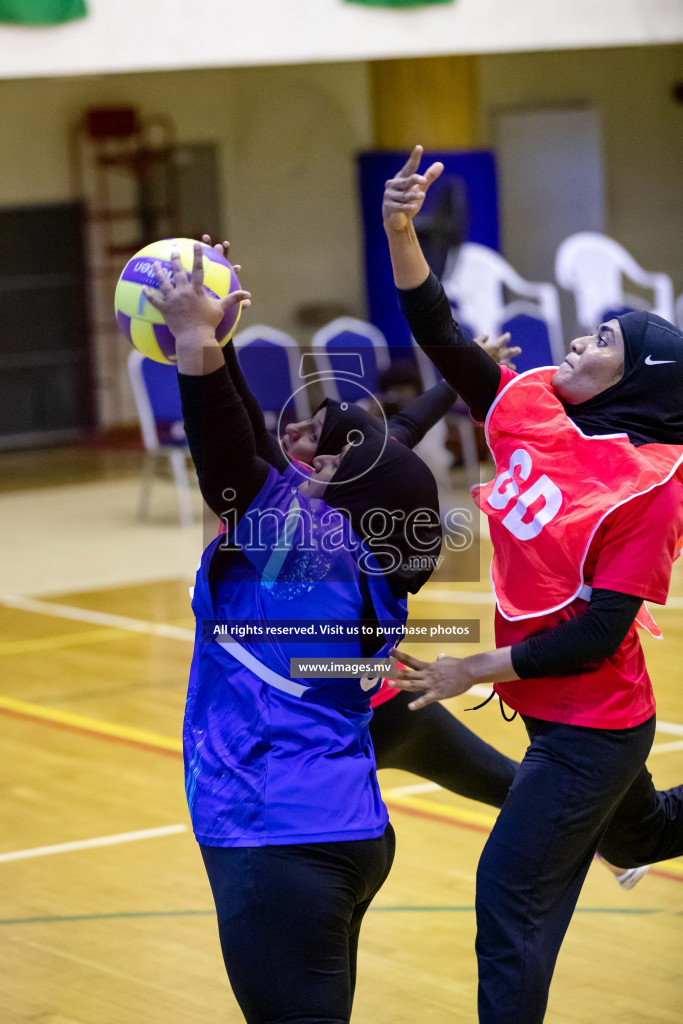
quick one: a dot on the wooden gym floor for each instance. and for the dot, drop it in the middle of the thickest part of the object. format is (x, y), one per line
(107, 915)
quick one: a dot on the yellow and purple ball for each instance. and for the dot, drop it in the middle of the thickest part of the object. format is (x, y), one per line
(141, 323)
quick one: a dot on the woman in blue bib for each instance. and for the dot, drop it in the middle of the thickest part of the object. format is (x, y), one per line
(280, 772)
(435, 745)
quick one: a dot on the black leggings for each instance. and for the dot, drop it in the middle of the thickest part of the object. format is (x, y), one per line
(434, 744)
(289, 919)
(577, 790)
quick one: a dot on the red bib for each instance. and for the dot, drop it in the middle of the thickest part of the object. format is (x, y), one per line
(554, 486)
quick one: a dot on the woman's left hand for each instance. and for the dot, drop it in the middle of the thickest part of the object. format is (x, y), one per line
(223, 248)
(445, 677)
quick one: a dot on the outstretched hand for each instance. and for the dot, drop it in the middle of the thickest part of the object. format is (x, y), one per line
(445, 677)
(223, 248)
(405, 194)
(184, 303)
(499, 348)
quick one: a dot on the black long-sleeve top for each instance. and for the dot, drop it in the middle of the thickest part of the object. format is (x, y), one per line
(462, 363)
(580, 642)
(411, 424)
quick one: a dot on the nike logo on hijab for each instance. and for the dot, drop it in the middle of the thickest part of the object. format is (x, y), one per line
(646, 406)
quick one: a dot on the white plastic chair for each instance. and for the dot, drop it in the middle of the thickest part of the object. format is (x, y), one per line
(270, 360)
(348, 350)
(157, 400)
(593, 267)
(478, 279)
(679, 312)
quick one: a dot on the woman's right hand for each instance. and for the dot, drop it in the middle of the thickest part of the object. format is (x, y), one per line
(405, 194)
(188, 309)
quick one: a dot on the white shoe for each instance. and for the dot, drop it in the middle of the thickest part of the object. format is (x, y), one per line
(632, 876)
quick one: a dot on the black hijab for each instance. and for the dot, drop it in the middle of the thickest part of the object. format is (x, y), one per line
(378, 473)
(344, 422)
(647, 403)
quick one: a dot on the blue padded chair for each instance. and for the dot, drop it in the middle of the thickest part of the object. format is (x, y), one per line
(157, 399)
(532, 335)
(349, 353)
(270, 361)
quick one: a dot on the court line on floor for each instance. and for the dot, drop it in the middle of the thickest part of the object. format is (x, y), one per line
(409, 797)
(405, 909)
(481, 597)
(409, 800)
(30, 604)
(88, 844)
(147, 739)
(67, 611)
(402, 798)
(666, 748)
(158, 742)
(10, 648)
(93, 726)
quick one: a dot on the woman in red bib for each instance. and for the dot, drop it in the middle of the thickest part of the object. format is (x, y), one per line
(586, 516)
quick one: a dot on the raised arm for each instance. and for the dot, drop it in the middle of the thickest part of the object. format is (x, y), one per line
(411, 424)
(466, 367)
(267, 446)
(219, 431)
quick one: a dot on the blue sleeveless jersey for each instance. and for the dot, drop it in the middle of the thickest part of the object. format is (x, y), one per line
(269, 760)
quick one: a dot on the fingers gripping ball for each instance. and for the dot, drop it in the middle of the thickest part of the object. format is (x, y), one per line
(141, 323)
